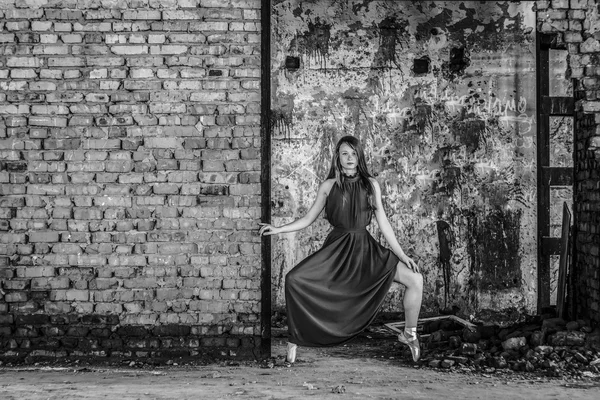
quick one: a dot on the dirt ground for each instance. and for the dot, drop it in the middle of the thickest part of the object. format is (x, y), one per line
(367, 368)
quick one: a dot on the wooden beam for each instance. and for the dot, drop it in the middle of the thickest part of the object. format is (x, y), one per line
(265, 177)
(550, 246)
(557, 176)
(558, 106)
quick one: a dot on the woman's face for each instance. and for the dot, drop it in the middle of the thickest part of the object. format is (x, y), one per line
(348, 158)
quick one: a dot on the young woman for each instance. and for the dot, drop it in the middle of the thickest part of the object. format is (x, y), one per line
(334, 294)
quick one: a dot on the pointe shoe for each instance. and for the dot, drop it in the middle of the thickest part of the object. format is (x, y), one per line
(291, 353)
(413, 345)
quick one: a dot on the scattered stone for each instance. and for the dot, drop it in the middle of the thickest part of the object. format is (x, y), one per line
(514, 343)
(586, 329)
(437, 337)
(487, 331)
(483, 344)
(580, 357)
(529, 367)
(514, 334)
(469, 349)
(572, 326)
(339, 389)
(544, 349)
(503, 334)
(567, 338)
(459, 359)
(454, 342)
(551, 325)
(549, 346)
(471, 336)
(536, 338)
(499, 362)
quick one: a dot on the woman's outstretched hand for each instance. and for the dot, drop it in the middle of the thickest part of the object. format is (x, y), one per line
(267, 229)
(410, 263)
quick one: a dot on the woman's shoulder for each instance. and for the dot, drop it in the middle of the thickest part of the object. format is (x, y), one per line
(375, 184)
(326, 186)
(328, 183)
(373, 181)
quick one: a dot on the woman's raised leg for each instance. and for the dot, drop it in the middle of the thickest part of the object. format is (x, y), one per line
(413, 281)
(413, 295)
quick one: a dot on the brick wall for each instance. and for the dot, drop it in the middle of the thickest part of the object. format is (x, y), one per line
(130, 178)
(577, 25)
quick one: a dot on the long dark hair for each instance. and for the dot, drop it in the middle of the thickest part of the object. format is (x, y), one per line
(335, 171)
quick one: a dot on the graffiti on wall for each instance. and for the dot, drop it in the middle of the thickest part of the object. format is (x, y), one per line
(442, 94)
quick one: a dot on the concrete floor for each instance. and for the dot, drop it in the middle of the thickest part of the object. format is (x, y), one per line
(378, 369)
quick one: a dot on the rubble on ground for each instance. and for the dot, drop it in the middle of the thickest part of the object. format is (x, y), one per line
(545, 344)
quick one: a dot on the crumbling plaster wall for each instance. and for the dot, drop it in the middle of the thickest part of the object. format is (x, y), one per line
(442, 94)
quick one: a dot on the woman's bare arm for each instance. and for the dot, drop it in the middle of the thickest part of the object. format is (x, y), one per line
(307, 219)
(387, 231)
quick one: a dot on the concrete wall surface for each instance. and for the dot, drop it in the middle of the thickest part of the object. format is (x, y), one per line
(442, 94)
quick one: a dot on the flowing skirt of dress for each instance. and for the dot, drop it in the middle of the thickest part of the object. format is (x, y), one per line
(335, 293)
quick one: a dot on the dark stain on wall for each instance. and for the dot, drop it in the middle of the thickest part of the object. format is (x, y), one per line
(419, 118)
(493, 27)
(446, 240)
(388, 40)
(494, 249)
(282, 116)
(457, 64)
(315, 42)
(469, 132)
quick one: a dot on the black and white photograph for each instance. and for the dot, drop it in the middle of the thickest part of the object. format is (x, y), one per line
(287, 199)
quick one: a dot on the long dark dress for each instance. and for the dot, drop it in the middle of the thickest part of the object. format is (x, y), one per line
(334, 294)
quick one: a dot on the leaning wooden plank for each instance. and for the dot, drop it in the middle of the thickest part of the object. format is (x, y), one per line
(564, 262)
(466, 323)
(399, 326)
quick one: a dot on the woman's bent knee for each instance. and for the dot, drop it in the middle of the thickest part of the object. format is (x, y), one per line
(408, 277)
(418, 280)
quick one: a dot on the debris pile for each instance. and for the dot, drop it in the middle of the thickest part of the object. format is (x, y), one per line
(552, 346)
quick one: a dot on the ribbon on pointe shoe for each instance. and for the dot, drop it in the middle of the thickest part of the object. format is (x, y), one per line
(291, 352)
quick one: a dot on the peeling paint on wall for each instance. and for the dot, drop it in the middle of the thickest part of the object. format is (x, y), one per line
(452, 144)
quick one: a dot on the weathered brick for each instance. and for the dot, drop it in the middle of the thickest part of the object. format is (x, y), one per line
(60, 282)
(142, 14)
(14, 297)
(48, 121)
(45, 237)
(24, 62)
(129, 50)
(163, 143)
(35, 272)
